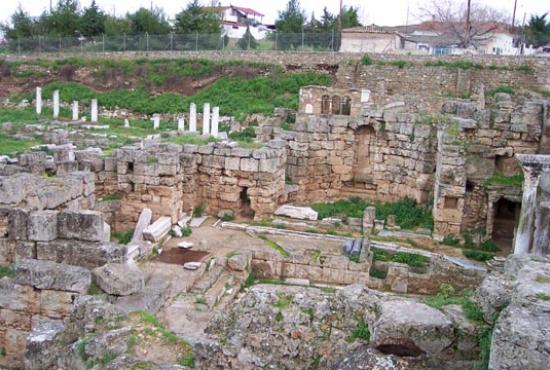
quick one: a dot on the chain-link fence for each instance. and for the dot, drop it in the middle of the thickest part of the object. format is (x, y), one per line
(174, 42)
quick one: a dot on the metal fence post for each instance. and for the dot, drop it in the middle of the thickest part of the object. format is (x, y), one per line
(302, 39)
(276, 40)
(18, 46)
(196, 41)
(39, 46)
(124, 42)
(332, 41)
(249, 34)
(103, 43)
(171, 41)
(147, 41)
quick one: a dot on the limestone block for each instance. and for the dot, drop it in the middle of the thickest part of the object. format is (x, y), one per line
(85, 254)
(17, 297)
(25, 249)
(82, 225)
(119, 279)
(238, 262)
(158, 229)
(269, 165)
(249, 164)
(51, 275)
(301, 213)
(42, 226)
(232, 163)
(42, 349)
(416, 327)
(18, 220)
(55, 304)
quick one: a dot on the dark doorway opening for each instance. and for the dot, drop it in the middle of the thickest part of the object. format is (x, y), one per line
(504, 224)
(246, 209)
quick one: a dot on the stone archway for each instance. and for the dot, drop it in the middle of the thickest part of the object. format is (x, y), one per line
(364, 140)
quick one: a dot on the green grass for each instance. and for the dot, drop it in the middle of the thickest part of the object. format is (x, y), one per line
(274, 245)
(484, 349)
(11, 146)
(447, 295)
(283, 301)
(198, 210)
(408, 214)
(123, 237)
(279, 316)
(410, 259)
(7, 271)
(360, 332)
(367, 60)
(187, 360)
(477, 255)
(500, 89)
(110, 197)
(451, 240)
(235, 96)
(458, 64)
(543, 296)
(500, 179)
(191, 139)
(379, 274)
(246, 135)
(152, 320)
(250, 280)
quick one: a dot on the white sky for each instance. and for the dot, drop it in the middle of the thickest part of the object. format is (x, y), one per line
(380, 12)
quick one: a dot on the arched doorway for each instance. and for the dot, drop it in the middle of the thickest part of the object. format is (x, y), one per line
(505, 220)
(364, 139)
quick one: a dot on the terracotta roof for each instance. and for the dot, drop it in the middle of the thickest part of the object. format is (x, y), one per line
(367, 29)
(241, 9)
(247, 10)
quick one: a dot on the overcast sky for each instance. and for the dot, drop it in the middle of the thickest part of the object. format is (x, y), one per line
(380, 12)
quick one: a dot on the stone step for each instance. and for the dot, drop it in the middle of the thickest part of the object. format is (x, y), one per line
(217, 291)
(208, 279)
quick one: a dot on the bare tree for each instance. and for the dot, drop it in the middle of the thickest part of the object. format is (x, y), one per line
(468, 23)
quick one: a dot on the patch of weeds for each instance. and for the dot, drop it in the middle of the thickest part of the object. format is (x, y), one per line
(228, 217)
(500, 179)
(187, 360)
(411, 259)
(151, 160)
(274, 245)
(287, 126)
(361, 331)
(447, 295)
(192, 139)
(279, 316)
(315, 255)
(110, 197)
(108, 357)
(400, 63)
(123, 237)
(7, 271)
(484, 349)
(152, 320)
(200, 300)
(355, 259)
(131, 344)
(94, 289)
(198, 210)
(542, 279)
(250, 280)
(543, 296)
(11, 146)
(500, 89)
(478, 255)
(246, 135)
(524, 68)
(283, 301)
(367, 60)
(451, 240)
(186, 231)
(458, 64)
(376, 273)
(310, 312)
(155, 251)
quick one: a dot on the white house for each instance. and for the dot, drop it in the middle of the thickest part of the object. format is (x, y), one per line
(236, 19)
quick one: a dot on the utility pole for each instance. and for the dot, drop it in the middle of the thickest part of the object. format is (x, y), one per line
(514, 14)
(340, 17)
(468, 24)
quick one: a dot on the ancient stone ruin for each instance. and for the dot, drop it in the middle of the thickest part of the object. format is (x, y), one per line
(398, 219)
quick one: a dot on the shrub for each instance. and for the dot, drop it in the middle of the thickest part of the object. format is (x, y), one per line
(451, 240)
(198, 210)
(7, 271)
(228, 217)
(413, 260)
(478, 255)
(500, 89)
(186, 231)
(123, 237)
(379, 274)
(361, 332)
(367, 60)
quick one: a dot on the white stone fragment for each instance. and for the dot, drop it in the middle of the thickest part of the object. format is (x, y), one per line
(93, 113)
(192, 266)
(56, 104)
(215, 121)
(38, 100)
(126, 123)
(185, 245)
(75, 110)
(156, 121)
(181, 124)
(193, 117)
(197, 221)
(206, 119)
(300, 213)
(158, 229)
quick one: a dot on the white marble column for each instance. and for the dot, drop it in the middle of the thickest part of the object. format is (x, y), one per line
(206, 119)
(181, 124)
(524, 236)
(215, 121)
(56, 104)
(75, 110)
(193, 117)
(38, 100)
(156, 121)
(126, 123)
(93, 116)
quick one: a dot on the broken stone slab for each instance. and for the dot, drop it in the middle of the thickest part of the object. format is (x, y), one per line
(185, 245)
(297, 281)
(42, 348)
(191, 266)
(52, 275)
(158, 229)
(151, 298)
(300, 213)
(144, 221)
(197, 221)
(83, 225)
(411, 328)
(176, 231)
(119, 279)
(238, 262)
(184, 221)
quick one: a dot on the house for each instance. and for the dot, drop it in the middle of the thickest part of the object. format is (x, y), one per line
(235, 20)
(370, 39)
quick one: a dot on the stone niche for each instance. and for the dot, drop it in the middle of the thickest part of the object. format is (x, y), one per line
(321, 100)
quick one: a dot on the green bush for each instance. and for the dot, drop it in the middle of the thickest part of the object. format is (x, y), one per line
(451, 240)
(186, 231)
(123, 237)
(500, 89)
(198, 210)
(447, 295)
(367, 60)
(413, 260)
(247, 135)
(379, 274)
(500, 179)
(361, 332)
(478, 255)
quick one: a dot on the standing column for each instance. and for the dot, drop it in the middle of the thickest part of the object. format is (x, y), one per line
(75, 110)
(181, 124)
(126, 123)
(215, 121)
(527, 216)
(93, 117)
(206, 119)
(56, 104)
(193, 117)
(38, 100)
(156, 121)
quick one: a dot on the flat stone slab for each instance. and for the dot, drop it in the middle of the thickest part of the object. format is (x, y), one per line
(185, 245)
(192, 266)
(197, 221)
(296, 281)
(158, 229)
(467, 265)
(300, 213)
(184, 221)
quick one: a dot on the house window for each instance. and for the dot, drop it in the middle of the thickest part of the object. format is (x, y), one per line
(336, 104)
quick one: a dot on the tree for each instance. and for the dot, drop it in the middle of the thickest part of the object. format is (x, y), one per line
(290, 25)
(63, 20)
(247, 41)
(148, 21)
(464, 24)
(350, 17)
(92, 22)
(22, 25)
(116, 26)
(195, 19)
(537, 30)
